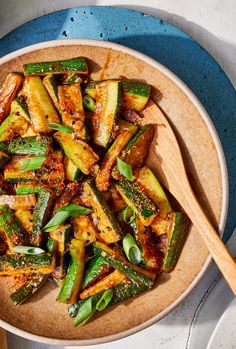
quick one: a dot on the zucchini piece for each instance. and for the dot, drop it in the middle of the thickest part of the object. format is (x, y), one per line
(108, 227)
(108, 101)
(3, 146)
(50, 83)
(30, 132)
(111, 280)
(79, 152)
(71, 171)
(72, 78)
(84, 229)
(97, 267)
(8, 92)
(135, 94)
(136, 151)
(153, 188)
(104, 173)
(40, 106)
(31, 284)
(12, 126)
(72, 283)
(69, 192)
(118, 261)
(90, 89)
(4, 158)
(162, 225)
(144, 238)
(71, 106)
(114, 199)
(40, 216)
(28, 188)
(19, 202)
(26, 219)
(60, 236)
(78, 65)
(14, 174)
(12, 229)
(136, 197)
(26, 264)
(176, 240)
(19, 107)
(37, 145)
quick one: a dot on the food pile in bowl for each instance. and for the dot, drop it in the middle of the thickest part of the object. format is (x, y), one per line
(78, 205)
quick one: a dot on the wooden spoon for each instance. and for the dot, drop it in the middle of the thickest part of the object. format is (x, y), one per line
(3, 339)
(173, 175)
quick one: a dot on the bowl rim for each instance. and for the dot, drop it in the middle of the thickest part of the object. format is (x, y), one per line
(224, 175)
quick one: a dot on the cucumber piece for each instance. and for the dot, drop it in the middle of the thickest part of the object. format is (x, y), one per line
(27, 188)
(136, 197)
(19, 202)
(31, 285)
(108, 100)
(71, 106)
(26, 219)
(12, 126)
(8, 92)
(4, 159)
(89, 103)
(90, 89)
(37, 145)
(60, 236)
(111, 280)
(12, 229)
(135, 94)
(78, 64)
(40, 216)
(84, 229)
(3, 146)
(40, 106)
(79, 152)
(71, 171)
(26, 264)
(108, 227)
(72, 283)
(118, 261)
(153, 188)
(50, 83)
(65, 198)
(96, 267)
(176, 238)
(72, 78)
(19, 107)
(105, 169)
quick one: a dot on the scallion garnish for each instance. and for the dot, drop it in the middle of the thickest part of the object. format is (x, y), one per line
(61, 128)
(131, 249)
(56, 220)
(89, 103)
(28, 250)
(75, 210)
(86, 310)
(104, 300)
(125, 169)
(127, 215)
(31, 164)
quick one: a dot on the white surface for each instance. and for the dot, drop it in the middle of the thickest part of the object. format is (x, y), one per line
(224, 335)
(212, 23)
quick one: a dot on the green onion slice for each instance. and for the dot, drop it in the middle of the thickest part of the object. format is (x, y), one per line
(56, 220)
(127, 215)
(28, 250)
(89, 103)
(104, 300)
(61, 128)
(86, 310)
(31, 164)
(125, 169)
(75, 210)
(131, 249)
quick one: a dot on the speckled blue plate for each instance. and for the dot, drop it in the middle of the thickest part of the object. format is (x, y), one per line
(159, 40)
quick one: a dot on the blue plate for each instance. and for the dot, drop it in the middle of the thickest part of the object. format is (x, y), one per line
(159, 40)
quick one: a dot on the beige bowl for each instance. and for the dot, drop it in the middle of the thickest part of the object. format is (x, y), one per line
(42, 318)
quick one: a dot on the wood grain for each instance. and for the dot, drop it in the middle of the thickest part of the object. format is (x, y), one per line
(3, 339)
(173, 174)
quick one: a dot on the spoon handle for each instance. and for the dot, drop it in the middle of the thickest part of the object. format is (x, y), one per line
(218, 250)
(3, 339)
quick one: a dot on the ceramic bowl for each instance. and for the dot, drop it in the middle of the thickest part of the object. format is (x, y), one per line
(42, 318)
